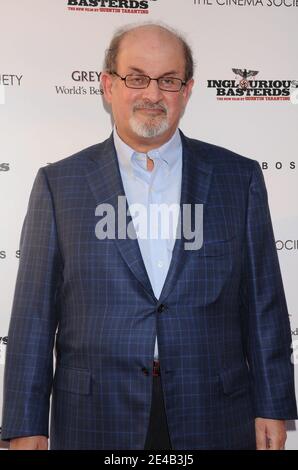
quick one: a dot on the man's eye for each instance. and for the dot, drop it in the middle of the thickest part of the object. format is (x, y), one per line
(137, 80)
(167, 81)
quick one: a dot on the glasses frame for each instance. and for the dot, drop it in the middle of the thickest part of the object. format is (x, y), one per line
(182, 82)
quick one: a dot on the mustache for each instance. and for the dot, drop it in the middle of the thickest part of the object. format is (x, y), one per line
(149, 105)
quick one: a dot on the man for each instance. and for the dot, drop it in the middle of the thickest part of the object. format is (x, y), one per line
(157, 346)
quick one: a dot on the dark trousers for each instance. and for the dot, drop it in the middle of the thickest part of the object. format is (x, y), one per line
(158, 435)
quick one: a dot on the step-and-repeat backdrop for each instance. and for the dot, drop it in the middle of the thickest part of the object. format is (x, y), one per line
(245, 99)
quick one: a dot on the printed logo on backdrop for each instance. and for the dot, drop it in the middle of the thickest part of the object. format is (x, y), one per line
(8, 80)
(3, 254)
(111, 6)
(294, 331)
(294, 356)
(83, 82)
(247, 86)
(278, 166)
(294, 91)
(294, 334)
(4, 167)
(247, 3)
(287, 245)
(3, 343)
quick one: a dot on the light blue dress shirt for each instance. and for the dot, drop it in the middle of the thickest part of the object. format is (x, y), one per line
(162, 185)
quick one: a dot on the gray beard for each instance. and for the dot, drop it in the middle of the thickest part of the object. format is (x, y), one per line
(151, 128)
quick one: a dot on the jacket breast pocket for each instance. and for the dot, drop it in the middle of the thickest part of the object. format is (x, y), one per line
(73, 380)
(218, 247)
(212, 267)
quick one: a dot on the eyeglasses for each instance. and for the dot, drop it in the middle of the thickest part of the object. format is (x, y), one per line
(143, 81)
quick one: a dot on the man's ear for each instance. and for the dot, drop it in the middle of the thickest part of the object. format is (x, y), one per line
(106, 83)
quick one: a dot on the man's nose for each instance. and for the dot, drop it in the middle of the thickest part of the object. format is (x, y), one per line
(152, 92)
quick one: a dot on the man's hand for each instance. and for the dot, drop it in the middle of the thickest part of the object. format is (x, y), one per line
(29, 443)
(271, 434)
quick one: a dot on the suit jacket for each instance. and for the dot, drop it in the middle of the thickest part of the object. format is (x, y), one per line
(223, 329)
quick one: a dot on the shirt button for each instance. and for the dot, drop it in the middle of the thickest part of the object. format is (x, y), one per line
(160, 264)
(161, 308)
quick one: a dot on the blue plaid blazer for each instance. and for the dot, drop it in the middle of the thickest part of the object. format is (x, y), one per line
(223, 332)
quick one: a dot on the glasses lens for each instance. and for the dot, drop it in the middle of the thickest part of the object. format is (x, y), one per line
(136, 81)
(169, 83)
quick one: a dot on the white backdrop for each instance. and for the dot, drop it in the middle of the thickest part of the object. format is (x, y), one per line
(50, 56)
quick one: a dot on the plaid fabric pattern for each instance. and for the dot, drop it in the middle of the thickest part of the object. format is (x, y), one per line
(223, 329)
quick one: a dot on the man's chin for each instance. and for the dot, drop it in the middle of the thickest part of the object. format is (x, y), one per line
(148, 131)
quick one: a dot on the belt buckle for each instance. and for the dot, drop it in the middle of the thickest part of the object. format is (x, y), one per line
(156, 368)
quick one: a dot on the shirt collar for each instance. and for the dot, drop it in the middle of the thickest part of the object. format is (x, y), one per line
(168, 152)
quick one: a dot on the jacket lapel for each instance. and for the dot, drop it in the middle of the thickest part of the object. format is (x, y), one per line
(105, 182)
(196, 180)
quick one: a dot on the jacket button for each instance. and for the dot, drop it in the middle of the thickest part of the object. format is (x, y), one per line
(161, 308)
(145, 371)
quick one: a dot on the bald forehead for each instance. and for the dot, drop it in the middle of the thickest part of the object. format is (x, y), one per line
(153, 32)
(151, 35)
(151, 42)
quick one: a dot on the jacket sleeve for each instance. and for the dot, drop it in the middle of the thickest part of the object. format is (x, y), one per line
(267, 328)
(29, 356)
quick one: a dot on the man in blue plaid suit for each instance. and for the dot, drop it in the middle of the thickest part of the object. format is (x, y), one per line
(157, 346)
